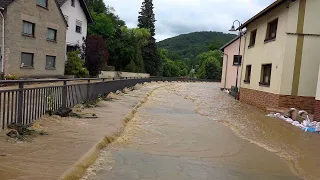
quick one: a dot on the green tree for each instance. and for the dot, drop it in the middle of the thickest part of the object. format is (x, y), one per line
(209, 68)
(172, 68)
(74, 65)
(203, 56)
(102, 26)
(135, 39)
(97, 6)
(146, 19)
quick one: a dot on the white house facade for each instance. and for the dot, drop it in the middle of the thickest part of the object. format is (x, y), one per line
(77, 14)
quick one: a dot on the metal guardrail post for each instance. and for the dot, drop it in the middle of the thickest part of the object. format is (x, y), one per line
(20, 103)
(88, 90)
(64, 94)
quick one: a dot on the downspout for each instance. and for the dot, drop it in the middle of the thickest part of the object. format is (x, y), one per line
(2, 48)
(225, 75)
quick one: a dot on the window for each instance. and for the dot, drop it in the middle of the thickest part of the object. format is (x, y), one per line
(237, 60)
(265, 74)
(272, 30)
(66, 18)
(248, 74)
(72, 3)
(52, 34)
(26, 60)
(28, 28)
(50, 62)
(42, 3)
(253, 38)
(78, 26)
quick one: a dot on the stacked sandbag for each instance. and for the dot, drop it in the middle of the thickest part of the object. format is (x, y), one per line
(294, 116)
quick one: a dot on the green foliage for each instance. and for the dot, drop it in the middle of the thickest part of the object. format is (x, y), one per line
(203, 56)
(172, 68)
(146, 19)
(192, 44)
(101, 25)
(74, 65)
(124, 44)
(209, 66)
(97, 6)
(135, 38)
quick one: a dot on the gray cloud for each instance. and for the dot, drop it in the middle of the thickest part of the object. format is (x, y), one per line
(176, 17)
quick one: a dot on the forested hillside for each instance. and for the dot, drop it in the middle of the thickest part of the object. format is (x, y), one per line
(192, 44)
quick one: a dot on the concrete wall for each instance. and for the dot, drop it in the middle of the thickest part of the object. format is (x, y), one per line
(229, 71)
(74, 14)
(116, 74)
(15, 42)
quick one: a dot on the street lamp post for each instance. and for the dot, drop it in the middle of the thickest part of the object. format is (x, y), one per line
(233, 29)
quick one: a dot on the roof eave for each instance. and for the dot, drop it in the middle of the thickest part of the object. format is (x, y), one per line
(261, 13)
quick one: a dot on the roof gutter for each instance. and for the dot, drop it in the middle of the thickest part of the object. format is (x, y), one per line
(263, 12)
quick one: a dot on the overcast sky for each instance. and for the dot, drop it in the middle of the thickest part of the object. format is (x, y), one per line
(176, 17)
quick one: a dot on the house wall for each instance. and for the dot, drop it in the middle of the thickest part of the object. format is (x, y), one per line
(289, 50)
(74, 14)
(265, 53)
(317, 103)
(229, 75)
(311, 55)
(15, 42)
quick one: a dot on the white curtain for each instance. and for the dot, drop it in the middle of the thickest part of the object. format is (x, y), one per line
(51, 34)
(27, 28)
(42, 3)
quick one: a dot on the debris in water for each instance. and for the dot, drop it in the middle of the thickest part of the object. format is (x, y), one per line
(63, 112)
(23, 132)
(83, 115)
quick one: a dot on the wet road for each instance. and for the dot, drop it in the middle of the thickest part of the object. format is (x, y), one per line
(195, 131)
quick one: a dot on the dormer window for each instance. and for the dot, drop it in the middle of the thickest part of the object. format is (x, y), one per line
(72, 3)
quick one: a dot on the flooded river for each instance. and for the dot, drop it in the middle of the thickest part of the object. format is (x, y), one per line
(195, 131)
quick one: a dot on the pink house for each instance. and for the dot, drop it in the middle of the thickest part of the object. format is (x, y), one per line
(231, 62)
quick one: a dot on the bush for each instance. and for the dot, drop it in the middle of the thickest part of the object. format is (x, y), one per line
(96, 54)
(210, 68)
(11, 77)
(74, 65)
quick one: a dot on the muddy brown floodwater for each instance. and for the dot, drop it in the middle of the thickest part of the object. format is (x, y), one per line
(195, 131)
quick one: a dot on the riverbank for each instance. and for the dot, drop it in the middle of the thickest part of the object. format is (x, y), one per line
(72, 144)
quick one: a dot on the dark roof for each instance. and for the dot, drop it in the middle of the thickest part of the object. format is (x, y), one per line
(233, 40)
(5, 3)
(84, 6)
(263, 12)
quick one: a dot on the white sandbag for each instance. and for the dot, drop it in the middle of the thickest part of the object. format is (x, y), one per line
(295, 123)
(278, 115)
(305, 123)
(318, 127)
(289, 120)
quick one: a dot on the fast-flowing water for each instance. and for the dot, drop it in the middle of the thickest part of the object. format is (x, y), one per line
(195, 131)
